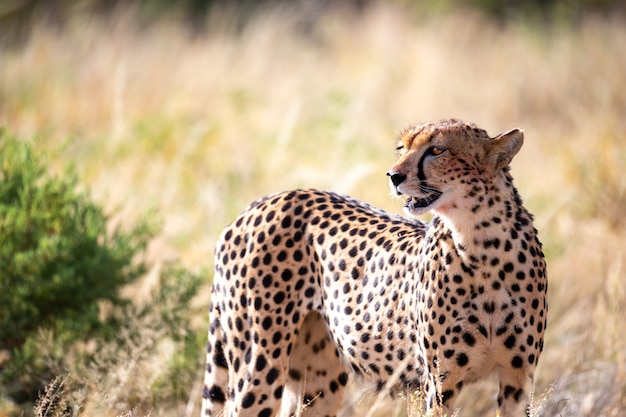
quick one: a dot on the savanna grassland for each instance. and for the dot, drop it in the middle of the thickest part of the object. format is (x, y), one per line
(194, 124)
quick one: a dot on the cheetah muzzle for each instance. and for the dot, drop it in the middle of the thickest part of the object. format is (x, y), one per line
(313, 287)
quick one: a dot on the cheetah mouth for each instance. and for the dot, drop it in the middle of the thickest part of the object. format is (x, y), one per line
(414, 203)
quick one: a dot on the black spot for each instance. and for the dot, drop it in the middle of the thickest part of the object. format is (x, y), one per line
(219, 359)
(501, 330)
(343, 378)
(333, 386)
(267, 323)
(467, 269)
(267, 281)
(489, 307)
(260, 363)
(307, 399)
(286, 275)
(462, 359)
(286, 222)
(279, 297)
(215, 394)
(469, 339)
(510, 342)
(355, 273)
(295, 374)
(266, 412)
(248, 400)
(272, 375)
(508, 391)
(446, 395)
(517, 362)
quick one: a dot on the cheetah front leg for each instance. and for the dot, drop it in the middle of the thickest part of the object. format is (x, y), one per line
(513, 392)
(316, 377)
(439, 397)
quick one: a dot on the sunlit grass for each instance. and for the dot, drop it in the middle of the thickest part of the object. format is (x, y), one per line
(196, 127)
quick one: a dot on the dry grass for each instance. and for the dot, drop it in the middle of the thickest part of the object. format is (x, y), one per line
(196, 127)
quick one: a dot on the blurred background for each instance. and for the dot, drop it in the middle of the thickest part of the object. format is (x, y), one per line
(150, 124)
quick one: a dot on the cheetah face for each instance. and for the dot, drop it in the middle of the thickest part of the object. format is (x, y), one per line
(421, 194)
(419, 191)
(442, 166)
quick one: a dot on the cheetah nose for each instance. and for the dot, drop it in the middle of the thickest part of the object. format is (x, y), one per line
(396, 178)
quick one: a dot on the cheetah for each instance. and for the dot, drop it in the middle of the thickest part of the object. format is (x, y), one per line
(312, 288)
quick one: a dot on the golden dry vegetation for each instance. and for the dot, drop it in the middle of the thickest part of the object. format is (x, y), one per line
(198, 125)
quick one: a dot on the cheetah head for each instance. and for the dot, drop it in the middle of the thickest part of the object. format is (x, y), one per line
(445, 165)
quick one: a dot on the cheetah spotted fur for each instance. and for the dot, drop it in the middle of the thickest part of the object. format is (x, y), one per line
(313, 287)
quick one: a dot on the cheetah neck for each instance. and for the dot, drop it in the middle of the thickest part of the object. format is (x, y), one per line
(486, 217)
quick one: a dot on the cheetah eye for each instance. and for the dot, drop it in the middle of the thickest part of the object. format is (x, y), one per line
(435, 151)
(399, 147)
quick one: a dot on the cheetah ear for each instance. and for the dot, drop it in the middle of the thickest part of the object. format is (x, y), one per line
(502, 148)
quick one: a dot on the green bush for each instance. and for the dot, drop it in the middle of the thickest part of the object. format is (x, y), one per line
(57, 258)
(60, 264)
